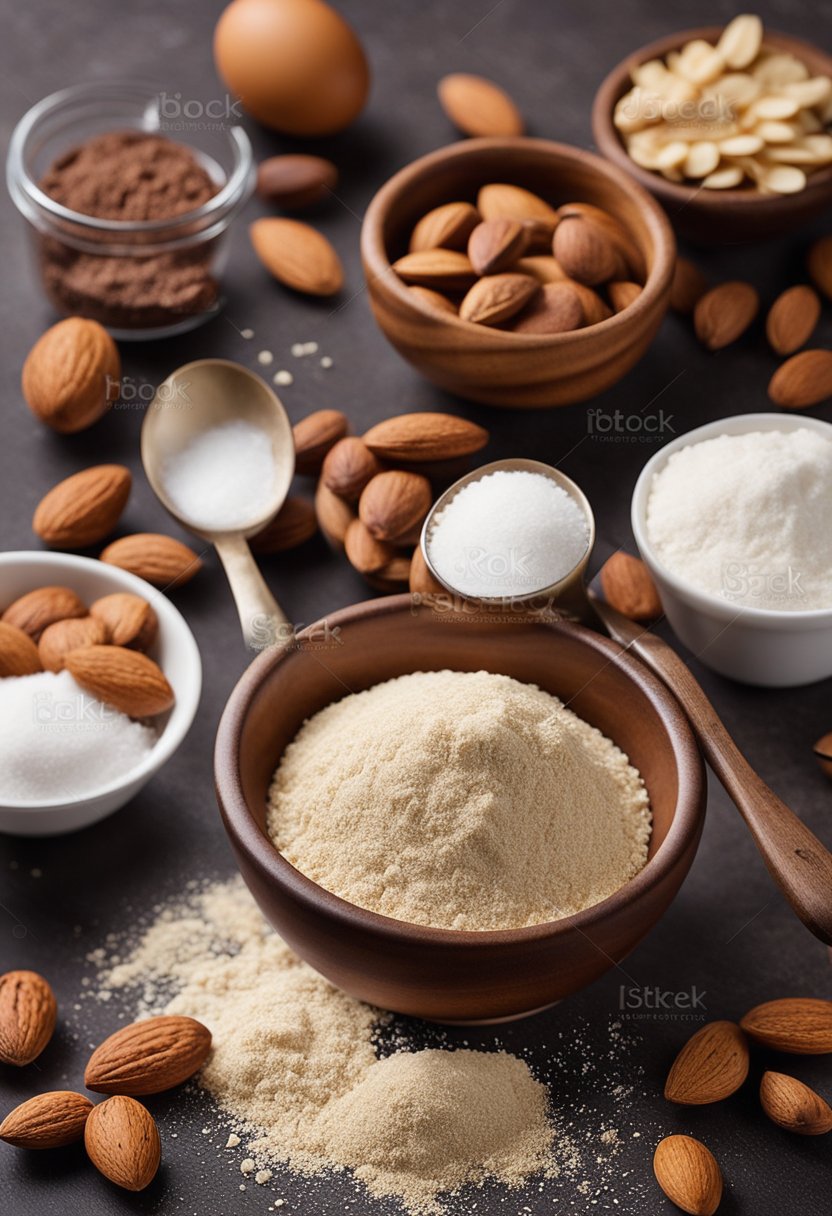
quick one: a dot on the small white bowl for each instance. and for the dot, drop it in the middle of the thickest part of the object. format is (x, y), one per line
(175, 650)
(754, 645)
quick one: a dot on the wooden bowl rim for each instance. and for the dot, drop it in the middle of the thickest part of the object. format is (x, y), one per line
(378, 265)
(244, 832)
(609, 141)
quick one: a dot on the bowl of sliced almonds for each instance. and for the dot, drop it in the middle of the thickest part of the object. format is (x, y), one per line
(728, 127)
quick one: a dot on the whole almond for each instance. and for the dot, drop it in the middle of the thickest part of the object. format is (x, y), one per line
(823, 753)
(126, 679)
(622, 294)
(792, 319)
(294, 524)
(148, 1057)
(419, 437)
(631, 256)
(334, 515)
(60, 639)
(18, 653)
(158, 559)
(364, 552)
(497, 297)
(441, 269)
(28, 1012)
(803, 380)
(792, 1105)
(539, 233)
(445, 227)
(688, 1174)
(36, 609)
(49, 1120)
(421, 581)
(798, 1025)
(478, 106)
(83, 509)
(556, 309)
(348, 466)
(595, 309)
(494, 245)
(688, 287)
(545, 268)
(395, 503)
(298, 256)
(586, 252)
(128, 620)
(314, 435)
(819, 265)
(434, 299)
(393, 577)
(122, 1142)
(712, 1065)
(71, 375)
(724, 313)
(295, 181)
(628, 587)
(499, 200)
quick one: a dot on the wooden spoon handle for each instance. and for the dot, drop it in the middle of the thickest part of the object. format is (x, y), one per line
(263, 621)
(797, 861)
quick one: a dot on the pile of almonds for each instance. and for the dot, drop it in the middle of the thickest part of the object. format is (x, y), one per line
(714, 1064)
(514, 261)
(148, 1057)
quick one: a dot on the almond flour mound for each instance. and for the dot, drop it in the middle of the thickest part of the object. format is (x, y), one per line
(461, 800)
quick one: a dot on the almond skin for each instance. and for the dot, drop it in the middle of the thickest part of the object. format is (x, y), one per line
(348, 467)
(50, 1120)
(393, 577)
(631, 256)
(688, 1174)
(18, 653)
(798, 1025)
(334, 515)
(28, 1013)
(712, 1065)
(595, 309)
(125, 679)
(441, 269)
(364, 552)
(792, 1105)
(394, 504)
(83, 509)
(803, 380)
(421, 580)
(445, 227)
(495, 245)
(294, 524)
(823, 752)
(296, 181)
(160, 560)
(544, 268)
(478, 106)
(555, 310)
(688, 287)
(819, 264)
(586, 252)
(314, 435)
(622, 294)
(60, 639)
(414, 438)
(724, 313)
(128, 620)
(148, 1057)
(497, 297)
(628, 587)
(298, 256)
(71, 375)
(36, 609)
(122, 1142)
(501, 199)
(434, 299)
(792, 319)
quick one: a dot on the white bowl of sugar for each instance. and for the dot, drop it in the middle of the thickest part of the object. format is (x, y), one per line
(734, 521)
(87, 762)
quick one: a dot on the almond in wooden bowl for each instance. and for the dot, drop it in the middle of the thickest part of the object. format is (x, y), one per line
(492, 363)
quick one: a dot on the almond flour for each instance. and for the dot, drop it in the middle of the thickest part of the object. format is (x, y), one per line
(461, 800)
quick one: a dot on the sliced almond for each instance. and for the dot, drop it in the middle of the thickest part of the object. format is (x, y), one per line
(495, 298)
(803, 380)
(792, 1105)
(556, 309)
(148, 1057)
(445, 227)
(50, 1120)
(122, 1142)
(495, 245)
(799, 1025)
(702, 158)
(126, 679)
(723, 179)
(297, 255)
(792, 319)
(441, 269)
(724, 313)
(741, 40)
(478, 106)
(712, 1065)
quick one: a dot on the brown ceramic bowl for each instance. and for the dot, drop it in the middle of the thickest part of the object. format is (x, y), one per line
(492, 365)
(714, 217)
(439, 973)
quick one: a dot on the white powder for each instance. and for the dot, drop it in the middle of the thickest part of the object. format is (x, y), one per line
(462, 800)
(223, 478)
(749, 518)
(58, 742)
(508, 533)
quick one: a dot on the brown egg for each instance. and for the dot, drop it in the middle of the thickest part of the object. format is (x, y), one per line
(295, 64)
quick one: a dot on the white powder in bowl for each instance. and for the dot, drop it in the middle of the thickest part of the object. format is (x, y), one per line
(223, 478)
(511, 532)
(57, 742)
(462, 800)
(748, 518)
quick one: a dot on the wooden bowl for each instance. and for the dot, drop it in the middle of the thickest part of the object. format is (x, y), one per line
(714, 217)
(440, 973)
(492, 365)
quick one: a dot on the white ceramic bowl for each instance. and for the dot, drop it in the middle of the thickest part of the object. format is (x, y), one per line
(175, 650)
(754, 645)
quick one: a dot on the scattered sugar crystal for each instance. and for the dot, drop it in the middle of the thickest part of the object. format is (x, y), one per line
(247, 1166)
(265, 357)
(283, 377)
(232, 1141)
(262, 1176)
(326, 361)
(248, 334)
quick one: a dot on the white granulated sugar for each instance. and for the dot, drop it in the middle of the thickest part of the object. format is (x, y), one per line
(265, 357)
(223, 478)
(283, 377)
(58, 742)
(326, 361)
(749, 518)
(508, 533)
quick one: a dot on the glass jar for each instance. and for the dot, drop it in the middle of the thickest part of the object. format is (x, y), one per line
(145, 278)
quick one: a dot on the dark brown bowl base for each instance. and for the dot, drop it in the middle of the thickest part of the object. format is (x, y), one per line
(436, 973)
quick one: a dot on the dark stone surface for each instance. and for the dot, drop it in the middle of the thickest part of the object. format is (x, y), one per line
(729, 935)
